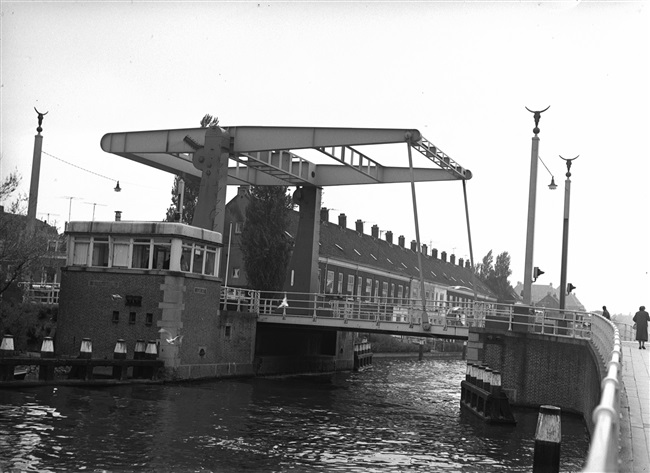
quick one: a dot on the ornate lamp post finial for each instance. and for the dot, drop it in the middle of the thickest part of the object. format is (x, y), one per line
(568, 165)
(40, 120)
(536, 116)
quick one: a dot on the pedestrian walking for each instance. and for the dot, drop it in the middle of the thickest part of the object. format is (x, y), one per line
(606, 313)
(641, 319)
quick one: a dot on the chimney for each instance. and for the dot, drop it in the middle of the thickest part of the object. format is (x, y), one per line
(414, 245)
(443, 256)
(460, 262)
(389, 236)
(468, 264)
(343, 221)
(400, 241)
(118, 215)
(375, 231)
(434, 253)
(424, 250)
(359, 224)
(452, 258)
(324, 214)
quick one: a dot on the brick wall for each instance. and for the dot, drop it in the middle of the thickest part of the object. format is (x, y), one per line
(87, 306)
(539, 370)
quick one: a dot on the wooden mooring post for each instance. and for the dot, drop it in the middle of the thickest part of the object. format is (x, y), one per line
(548, 438)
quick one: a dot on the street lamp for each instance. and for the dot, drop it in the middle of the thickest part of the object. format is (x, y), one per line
(532, 193)
(565, 232)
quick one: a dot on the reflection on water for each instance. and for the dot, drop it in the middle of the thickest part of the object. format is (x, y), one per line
(403, 415)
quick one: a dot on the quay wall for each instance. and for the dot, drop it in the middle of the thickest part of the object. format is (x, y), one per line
(541, 370)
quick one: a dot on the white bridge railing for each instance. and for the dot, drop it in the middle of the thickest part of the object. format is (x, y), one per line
(310, 307)
(603, 450)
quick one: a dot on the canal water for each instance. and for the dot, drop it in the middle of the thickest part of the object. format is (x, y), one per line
(401, 415)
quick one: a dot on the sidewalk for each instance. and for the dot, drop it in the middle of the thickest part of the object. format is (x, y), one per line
(635, 409)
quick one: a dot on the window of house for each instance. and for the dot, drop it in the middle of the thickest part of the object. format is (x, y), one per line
(239, 226)
(384, 290)
(350, 283)
(116, 316)
(148, 320)
(392, 292)
(369, 288)
(227, 331)
(51, 245)
(131, 317)
(140, 259)
(359, 285)
(340, 284)
(235, 273)
(100, 251)
(80, 253)
(376, 293)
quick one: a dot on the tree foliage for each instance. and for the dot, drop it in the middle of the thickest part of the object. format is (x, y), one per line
(7, 187)
(21, 251)
(190, 198)
(265, 245)
(495, 274)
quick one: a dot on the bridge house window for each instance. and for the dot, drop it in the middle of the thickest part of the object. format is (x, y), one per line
(142, 253)
(340, 284)
(350, 283)
(100, 251)
(368, 288)
(80, 253)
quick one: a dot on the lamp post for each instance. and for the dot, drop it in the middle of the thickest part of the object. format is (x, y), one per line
(565, 232)
(532, 193)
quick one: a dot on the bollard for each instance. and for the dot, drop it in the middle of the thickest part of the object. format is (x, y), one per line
(138, 354)
(46, 372)
(548, 438)
(487, 379)
(495, 384)
(472, 373)
(150, 353)
(480, 373)
(7, 350)
(468, 370)
(47, 348)
(119, 353)
(7, 345)
(85, 353)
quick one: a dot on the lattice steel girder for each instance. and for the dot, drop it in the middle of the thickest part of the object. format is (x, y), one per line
(171, 151)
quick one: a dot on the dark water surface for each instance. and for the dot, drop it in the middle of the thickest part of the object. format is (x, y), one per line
(402, 415)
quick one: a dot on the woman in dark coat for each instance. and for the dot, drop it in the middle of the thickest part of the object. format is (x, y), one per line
(641, 319)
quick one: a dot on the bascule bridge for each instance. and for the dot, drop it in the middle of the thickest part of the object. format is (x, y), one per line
(174, 289)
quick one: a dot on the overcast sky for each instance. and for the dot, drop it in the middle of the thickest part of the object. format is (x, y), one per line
(460, 72)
